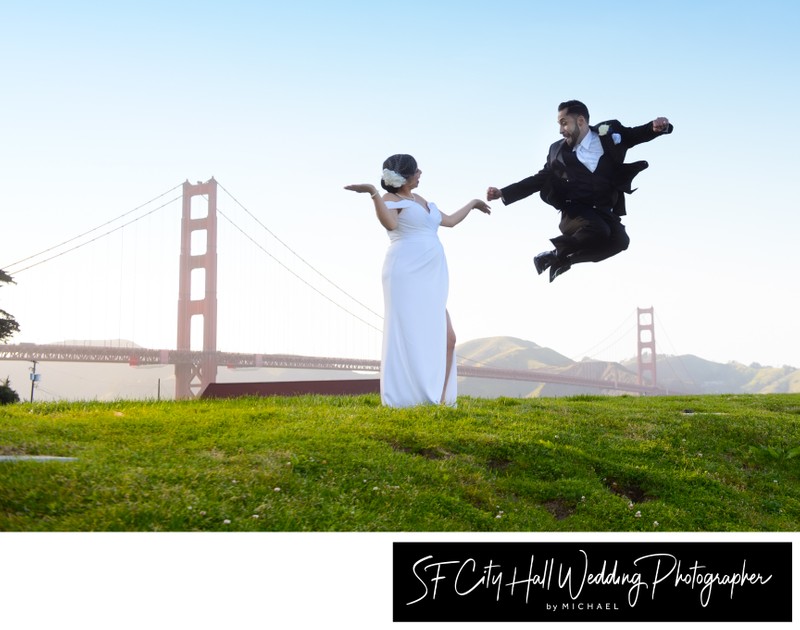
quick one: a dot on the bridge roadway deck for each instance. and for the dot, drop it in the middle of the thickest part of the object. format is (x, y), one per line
(142, 356)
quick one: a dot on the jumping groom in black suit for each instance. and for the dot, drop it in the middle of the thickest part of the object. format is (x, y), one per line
(586, 179)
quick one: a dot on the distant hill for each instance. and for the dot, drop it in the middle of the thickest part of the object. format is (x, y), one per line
(680, 374)
(519, 354)
(689, 373)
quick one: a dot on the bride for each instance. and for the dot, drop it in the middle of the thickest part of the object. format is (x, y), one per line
(417, 359)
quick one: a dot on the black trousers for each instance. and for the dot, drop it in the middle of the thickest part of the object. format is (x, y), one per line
(589, 234)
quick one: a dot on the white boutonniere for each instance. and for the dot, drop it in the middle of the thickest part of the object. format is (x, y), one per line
(603, 130)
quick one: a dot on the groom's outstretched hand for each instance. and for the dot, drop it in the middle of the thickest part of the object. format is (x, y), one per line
(493, 193)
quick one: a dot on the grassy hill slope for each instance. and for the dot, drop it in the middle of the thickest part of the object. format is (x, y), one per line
(711, 463)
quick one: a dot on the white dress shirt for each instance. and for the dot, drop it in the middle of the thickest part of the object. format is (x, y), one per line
(590, 150)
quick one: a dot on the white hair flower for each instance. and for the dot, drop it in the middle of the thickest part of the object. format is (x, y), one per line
(390, 178)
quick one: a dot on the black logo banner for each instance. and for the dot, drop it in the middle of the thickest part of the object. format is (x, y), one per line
(566, 581)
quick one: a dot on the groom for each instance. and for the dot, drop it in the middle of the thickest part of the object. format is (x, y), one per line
(585, 178)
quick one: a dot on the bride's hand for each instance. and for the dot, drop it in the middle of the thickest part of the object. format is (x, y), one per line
(482, 206)
(362, 188)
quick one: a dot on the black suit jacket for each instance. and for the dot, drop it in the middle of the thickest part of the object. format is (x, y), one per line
(550, 181)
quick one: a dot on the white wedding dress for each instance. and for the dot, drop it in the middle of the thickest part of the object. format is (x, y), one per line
(415, 286)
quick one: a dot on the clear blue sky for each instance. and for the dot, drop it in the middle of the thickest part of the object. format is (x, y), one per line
(107, 104)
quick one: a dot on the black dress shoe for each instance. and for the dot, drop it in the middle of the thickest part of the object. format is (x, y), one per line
(543, 261)
(557, 271)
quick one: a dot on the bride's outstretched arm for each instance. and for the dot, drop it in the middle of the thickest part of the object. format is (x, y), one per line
(451, 220)
(387, 217)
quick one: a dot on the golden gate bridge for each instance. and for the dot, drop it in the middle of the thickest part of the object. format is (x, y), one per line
(196, 370)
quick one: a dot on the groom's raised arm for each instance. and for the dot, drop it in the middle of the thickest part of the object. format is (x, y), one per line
(647, 132)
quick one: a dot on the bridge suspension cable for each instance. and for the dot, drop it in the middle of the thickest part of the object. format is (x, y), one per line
(10, 268)
(298, 256)
(627, 323)
(296, 275)
(675, 357)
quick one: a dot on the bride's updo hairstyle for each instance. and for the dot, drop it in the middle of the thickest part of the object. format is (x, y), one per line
(400, 164)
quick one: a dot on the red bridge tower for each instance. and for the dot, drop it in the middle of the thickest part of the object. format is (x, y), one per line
(193, 375)
(646, 346)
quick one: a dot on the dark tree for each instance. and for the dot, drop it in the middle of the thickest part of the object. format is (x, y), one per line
(7, 395)
(8, 325)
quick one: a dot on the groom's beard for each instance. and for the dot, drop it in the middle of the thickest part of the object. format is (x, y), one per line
(572, 137)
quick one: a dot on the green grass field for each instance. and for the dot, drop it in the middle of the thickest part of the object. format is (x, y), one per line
(582, 464)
